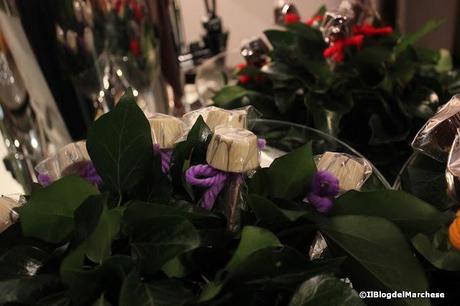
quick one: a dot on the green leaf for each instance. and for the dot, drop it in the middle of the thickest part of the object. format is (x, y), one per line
(158, 240)
(306, 32)
(144, 212)
(27, 290)
(252, 239)
(269, 213)
(99, 243)
(87, 215)
(229, 94)
(281, 267)
(159, 293)
(189, 152)
(280, 39)
(97, 226)
(409, 40)
(379, 256)
(325, 290)
(380, 134)
(22, 261)
(279, 71)
(326, 120)
(444, 63)
(406, 211)
(49, 212)
(438, 251)
(284, 99)
(101, 301)
(120, 146)
(290, 176)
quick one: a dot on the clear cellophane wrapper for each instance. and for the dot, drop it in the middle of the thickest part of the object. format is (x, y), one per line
(435, 138)
(70, 159)
(7, 214)
(234, 151)
(453, 169)
(352, 171)
(166, 130)
(214, 116)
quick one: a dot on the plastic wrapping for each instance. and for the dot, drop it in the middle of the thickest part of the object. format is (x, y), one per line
(7, 214)
(70, 159)
(453, 170)
(282, 8)
(233, 150)
(359, 10)
(352, 171)
(336, 25)
(166, 130)
(215, 116)
(255, 52)
(436, 136)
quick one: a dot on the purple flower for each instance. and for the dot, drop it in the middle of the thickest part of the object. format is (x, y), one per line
(325, 187)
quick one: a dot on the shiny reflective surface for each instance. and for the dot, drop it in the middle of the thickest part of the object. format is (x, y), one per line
(284, 137)
(109, 46)
(215, 73)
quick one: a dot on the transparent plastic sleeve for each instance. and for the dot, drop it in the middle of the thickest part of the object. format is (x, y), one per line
(436, 136)
(233, 150)
(7, 214)
(215, 116)
(70, 159)
(453, 170)
(352, 171)
(166, 130)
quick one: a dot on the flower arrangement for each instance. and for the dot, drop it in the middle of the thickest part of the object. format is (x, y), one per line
(144, 235)
(366, 77)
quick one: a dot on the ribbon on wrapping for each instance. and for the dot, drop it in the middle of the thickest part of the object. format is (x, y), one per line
(314, 20)
(336, 49)
(369, 30)
(88, 172)
(206, 176)
(165, 155)
(325, 187)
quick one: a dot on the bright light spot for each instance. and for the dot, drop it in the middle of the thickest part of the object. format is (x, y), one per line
(135, 93)
(101, 94)
(119, 72)
(34, 143)
(16, 143)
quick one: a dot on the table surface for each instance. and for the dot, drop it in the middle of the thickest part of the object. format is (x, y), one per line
(8, 185)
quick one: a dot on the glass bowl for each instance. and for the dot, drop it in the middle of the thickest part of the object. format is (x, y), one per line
(284, 137)
(215, 73)
(424, 177)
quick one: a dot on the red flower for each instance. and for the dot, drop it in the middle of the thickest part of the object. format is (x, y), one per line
(134, 47)
(369, 30)
(290, 18)
(244, 79)
(312, 21)
(137, 11)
